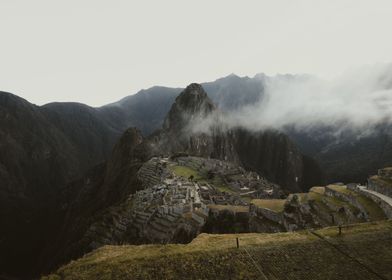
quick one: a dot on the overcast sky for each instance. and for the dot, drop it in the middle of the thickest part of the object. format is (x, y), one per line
(97, 52)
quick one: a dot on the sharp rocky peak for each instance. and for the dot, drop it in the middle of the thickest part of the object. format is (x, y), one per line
(192, 103)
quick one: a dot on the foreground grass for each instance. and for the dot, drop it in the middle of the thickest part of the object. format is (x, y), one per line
(296, 255)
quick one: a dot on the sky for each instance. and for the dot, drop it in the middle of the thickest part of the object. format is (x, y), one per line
(97, 52)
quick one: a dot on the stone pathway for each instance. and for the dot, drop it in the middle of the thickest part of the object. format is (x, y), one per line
(385, 198)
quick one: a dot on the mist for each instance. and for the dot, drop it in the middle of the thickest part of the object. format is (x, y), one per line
(358, 100)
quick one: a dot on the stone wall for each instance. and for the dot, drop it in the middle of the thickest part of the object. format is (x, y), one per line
(267, 213)
(226, 221)
(198, 218)
(380, 184)
(383, 205)
(351, 199)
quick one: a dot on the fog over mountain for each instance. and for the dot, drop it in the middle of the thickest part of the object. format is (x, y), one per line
(357, 101)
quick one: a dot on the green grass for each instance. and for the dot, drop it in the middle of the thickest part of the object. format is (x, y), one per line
(382, 181)
(276, 205)
(319, 190)
(302, 197)
(234, 208)
(374, 211)
(186, 172)
(224, 188)
(246, 198)
(341, 189)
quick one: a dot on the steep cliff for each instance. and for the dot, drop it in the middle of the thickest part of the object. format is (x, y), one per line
(195, 126)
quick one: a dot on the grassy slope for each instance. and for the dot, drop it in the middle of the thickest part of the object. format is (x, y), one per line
(276, 205)
(234, 208)
(374, 211)
(297, 255)
(382, 181)
(186, 172)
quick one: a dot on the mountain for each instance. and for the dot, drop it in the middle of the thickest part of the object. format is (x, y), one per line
(144, 110)
(42, 149)
(85, 200)
(270, 153)
(88, 131)
(348, 157)
(45, 152)
(345, 158)
(36, 159)
(147, 109)
(98, 208)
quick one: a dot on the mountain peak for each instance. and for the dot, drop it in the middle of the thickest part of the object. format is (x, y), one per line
(193, 102)
(194, 89)
(194, 98)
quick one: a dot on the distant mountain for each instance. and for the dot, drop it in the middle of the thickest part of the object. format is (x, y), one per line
(349, 157)
(147, 108)
(92, 135)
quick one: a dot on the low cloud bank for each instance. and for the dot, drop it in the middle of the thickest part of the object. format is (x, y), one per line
(358, 100)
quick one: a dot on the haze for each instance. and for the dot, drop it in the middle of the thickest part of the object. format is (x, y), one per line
(96, 52)
(358, 100)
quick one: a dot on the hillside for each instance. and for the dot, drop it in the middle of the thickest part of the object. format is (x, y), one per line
(36, 160)
(42, 149)
(363, 251)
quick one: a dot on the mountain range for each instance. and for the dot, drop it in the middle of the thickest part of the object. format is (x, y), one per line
(63, 164)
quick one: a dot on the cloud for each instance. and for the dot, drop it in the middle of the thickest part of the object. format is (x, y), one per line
(358, 100)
